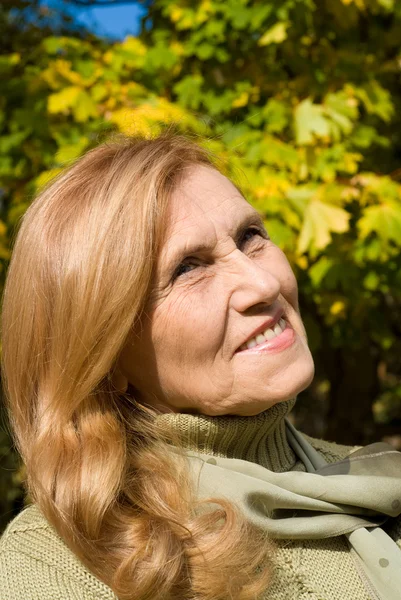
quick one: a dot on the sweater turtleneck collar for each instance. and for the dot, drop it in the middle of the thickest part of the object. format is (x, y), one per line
(260, 439)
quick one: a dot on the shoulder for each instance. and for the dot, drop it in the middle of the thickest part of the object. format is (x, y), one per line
(30, 533)
(330, 451)
(36, 563)
(30, 518)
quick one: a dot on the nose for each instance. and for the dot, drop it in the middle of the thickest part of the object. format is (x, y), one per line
(253, 284)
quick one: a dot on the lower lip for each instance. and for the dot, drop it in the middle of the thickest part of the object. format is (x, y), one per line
(277, 344)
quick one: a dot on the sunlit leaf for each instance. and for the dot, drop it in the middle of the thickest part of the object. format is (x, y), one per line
(320, 221)
(376, 99)
(64, 100)
(275, 35)
(281, 234)
(69, 152)
(45, 177)
(309, 121)
(384, 220)
(84, 107)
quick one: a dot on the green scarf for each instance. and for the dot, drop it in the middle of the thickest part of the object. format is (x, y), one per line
(352, 497)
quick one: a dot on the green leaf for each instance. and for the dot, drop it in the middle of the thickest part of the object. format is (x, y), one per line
(276, 115)
(260, 13)
(205, 51)
(319, 222)
(9, 142)
(342, 111)
(364, 136)
(241, 17)
(188, 91)
(280, 234)
(71, 151)
(84, 107)
(8, 62)
(377, 100)
(277, 153)
(319, 270)
(300, 196)
(309, 121)
(99, 91)
(388, 5)
(383, 220)
(371, 281)
(52, 45)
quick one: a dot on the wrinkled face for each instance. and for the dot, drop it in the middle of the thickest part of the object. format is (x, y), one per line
(222, 332)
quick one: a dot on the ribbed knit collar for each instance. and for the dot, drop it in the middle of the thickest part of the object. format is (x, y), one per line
(260, 439)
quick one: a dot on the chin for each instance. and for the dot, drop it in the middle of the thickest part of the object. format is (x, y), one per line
(299, 380)
(302, 378)
(255, 408)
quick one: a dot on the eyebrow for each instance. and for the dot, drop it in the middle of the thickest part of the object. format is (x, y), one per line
(249, 220)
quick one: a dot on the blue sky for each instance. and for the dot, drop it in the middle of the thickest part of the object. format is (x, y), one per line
(111, 21)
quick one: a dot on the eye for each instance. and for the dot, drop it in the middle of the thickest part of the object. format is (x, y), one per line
(252, 232)
(182, 269)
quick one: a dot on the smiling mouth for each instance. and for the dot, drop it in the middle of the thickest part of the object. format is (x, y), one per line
(265, 336)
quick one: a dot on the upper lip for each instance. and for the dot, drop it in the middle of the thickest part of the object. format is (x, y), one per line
(270, 322)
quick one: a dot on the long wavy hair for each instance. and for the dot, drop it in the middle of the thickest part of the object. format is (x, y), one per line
(111, 484)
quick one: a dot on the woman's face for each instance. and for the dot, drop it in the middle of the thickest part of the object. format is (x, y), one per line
(220, 283)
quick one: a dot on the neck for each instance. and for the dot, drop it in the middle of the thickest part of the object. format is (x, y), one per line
(260, 439)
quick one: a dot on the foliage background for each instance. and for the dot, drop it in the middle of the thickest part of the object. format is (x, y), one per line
(302, 98)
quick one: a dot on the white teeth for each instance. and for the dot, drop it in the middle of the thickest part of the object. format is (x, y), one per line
(251, 343)
(269, 334)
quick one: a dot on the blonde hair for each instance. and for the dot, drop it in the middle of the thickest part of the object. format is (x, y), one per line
(97, 466)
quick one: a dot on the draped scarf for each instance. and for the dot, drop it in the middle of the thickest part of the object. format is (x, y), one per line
(353, 497)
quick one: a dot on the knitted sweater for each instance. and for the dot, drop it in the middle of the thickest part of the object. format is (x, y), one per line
(36, 564)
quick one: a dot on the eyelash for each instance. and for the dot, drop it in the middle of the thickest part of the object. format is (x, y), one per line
(256, 230)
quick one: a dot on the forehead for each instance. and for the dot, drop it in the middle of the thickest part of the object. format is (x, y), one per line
(205, 199)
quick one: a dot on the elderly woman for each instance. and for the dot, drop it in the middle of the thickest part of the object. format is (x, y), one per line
(152, 349)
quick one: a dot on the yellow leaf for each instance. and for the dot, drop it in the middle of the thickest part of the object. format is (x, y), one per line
(147, 118)
(337, 308)
(177, 48)
(242, 100)
(176, 13)
(359, 3)
(108, 57)
(62, 101)
(272, 187)
(133, 44)
(275, 35)
(320, 221)
(14, 58)
(204, 10)
(45, 177)
(302, 262)
(4, 253)
(65, 70)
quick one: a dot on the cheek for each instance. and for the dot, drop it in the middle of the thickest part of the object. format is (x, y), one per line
(186, 326)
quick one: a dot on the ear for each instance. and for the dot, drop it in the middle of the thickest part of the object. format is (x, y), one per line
(119, 380)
